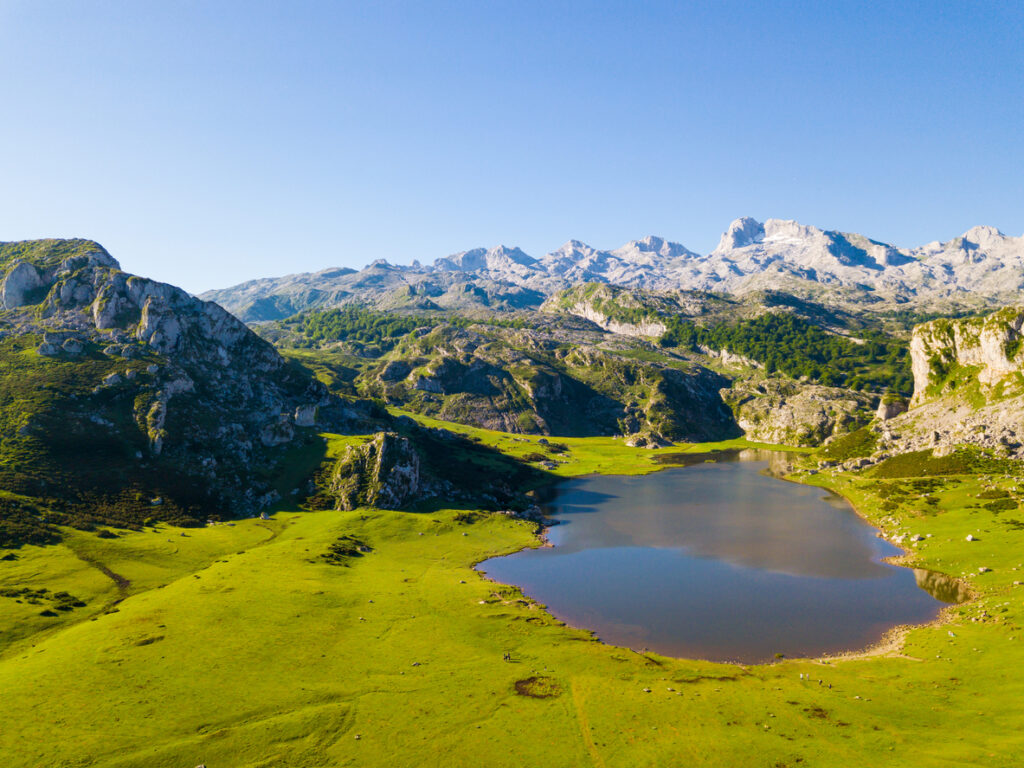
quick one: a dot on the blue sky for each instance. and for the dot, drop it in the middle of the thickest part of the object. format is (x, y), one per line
(207, 142)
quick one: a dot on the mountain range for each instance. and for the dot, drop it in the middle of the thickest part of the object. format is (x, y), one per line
(982, 267)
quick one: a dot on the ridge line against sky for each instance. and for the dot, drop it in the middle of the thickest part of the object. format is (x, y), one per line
(209, 143)
(429, 262)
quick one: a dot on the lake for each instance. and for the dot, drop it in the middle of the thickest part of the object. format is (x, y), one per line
(719, 560)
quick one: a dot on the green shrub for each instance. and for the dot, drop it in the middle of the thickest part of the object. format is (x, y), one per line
(1001, 505)
(994, 493)
(961, 462)
(856, 444)
(344, 549)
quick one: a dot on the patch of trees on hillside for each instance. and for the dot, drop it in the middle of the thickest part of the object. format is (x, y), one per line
(369, 327)
(791, 345)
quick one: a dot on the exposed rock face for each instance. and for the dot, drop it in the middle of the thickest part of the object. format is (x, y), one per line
(396, 370)
(789, 413)
(21, 280)
(647, 328)
(729, 358)
(741, 233)
(202, 399)
(305, 416)
(890, 409)
(384, 472)
(968, 387)
(992, 344)
(625, 312)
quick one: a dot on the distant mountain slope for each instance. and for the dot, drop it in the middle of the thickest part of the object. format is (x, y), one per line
(122, 398)
(381, 285)
(538, 381)
(983, 267)
(981, 264)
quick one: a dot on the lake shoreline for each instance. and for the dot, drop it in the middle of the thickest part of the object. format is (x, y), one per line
(890, 642)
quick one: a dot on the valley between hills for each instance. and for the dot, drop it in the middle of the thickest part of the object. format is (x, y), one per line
(254, 545)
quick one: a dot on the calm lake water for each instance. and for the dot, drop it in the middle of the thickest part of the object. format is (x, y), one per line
(718, 561)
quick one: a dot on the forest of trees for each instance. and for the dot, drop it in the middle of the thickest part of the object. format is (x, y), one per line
(791, 345)
(368, 327)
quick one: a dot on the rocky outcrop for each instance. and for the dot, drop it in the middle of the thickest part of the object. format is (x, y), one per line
(21, 281)
(786, 412)
(178, 387)
(729, 358)
(646, 441)
(890, 408)
(968, 388)
(612, 309)
(306, 415)
(941, 349)
(644, 327)
(383, 472)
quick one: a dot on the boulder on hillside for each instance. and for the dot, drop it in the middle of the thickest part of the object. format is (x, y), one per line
(21, 281)
(890, 408)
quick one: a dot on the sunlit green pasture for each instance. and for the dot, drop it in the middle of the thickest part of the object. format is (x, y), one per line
(237, 645)
(585, 455)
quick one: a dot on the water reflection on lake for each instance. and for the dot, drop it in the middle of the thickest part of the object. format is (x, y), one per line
(716, 560)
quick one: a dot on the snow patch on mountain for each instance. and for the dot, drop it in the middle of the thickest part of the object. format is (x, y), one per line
(983, 265)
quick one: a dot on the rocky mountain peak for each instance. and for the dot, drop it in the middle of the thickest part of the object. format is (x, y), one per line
(789, 232)
(742, 232)
(514, 255)
(981, 267)
(31, 266)
(650, 243)
(653, 245)
(497, 258)
(984, 236)
(572, 246)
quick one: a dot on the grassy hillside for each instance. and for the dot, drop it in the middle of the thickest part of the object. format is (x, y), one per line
(248, 645)
(123, 399)
(559, 377)
(800, 339)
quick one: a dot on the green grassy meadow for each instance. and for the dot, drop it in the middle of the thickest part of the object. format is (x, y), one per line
(240, 645)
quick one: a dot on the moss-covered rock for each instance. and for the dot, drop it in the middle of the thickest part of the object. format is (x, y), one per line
(383, 472)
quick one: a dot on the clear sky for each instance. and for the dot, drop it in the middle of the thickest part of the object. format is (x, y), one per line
(207, 142)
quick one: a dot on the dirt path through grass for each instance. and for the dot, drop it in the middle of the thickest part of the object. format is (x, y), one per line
(123, 584)
(581, 718)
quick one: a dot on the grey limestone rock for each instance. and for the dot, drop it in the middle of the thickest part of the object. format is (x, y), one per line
(787, 412)
(19, 283)
(383, 472)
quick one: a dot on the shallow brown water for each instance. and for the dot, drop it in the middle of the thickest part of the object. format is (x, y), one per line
(718, 561)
